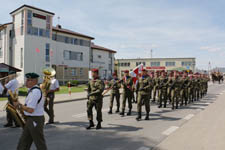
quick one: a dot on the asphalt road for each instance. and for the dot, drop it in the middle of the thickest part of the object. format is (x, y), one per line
(118, 133)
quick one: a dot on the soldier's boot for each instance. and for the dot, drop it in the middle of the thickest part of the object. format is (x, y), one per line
(99, 126)
(165, 104)
(110, 111)
(91, 124)
(117, 110)
(177, 105)
(139, 116)
(129, 112)
(186, 101)
(160, 105)
(122, 113)
(147, 116)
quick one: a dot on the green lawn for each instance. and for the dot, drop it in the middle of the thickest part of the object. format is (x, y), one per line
(63, 90)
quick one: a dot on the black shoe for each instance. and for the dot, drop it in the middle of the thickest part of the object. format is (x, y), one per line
(129, 113)
(122, 113)
(50, 122)
(90, 125)
(160, 106)
(110, 111)
(147, 117)
(138, 118)
(16, 126)
(99, 126)
(8, 125)
(117, 111)
(164, 106)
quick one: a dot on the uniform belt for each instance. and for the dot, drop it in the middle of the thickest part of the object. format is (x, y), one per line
(33, 116)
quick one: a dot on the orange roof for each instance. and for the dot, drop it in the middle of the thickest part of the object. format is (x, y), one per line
(57, 29)
(101, 48)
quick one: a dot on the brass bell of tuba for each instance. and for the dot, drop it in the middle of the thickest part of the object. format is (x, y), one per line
(49, 73)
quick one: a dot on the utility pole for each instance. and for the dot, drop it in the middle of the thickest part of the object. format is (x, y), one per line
(151, 51)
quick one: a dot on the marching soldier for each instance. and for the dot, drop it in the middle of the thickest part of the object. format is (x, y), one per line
(95, 99)
(34, 114)
(12, 85)
(156, 85)
(127, 84)
(49, 102)
(163, 83)
(143, 87)
(115, 93)
(175, 90)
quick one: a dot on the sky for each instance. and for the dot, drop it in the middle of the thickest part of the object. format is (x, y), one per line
(171, 28)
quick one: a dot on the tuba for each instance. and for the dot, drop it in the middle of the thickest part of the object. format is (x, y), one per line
(17, 114)
(48, 74)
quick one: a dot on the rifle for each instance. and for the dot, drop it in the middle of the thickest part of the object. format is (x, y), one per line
(106, 91)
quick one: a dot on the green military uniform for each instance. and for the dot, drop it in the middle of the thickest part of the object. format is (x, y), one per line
(155, 87)
(169, 84)
(184, 90)
(143, 87)
(163, 84)
(175, 92)
(95, 99)
(115, 93)
(127, 83)
(190, 90)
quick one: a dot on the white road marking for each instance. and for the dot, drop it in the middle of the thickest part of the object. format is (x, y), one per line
(188, 117)
(143, 148)
(170, 130)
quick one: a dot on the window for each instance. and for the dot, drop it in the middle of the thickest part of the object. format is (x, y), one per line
(29, 17)
(73, 72)
(0, 35)
(47, 65)
(21, 58)
(138, 63)
(155, 64)
(69, 55)
(35, 31)
(81, 71)
(47, 33)
(47, 52)
(170, 63)
(66, 55)
(22, 22)
(48, 23)
(186, 63)
(110, 55)
(99, 56)
(41, 32)
(0, 52)
(110, 66)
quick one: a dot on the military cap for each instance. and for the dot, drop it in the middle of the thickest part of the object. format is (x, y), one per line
(94, 70)
(31, 75)
(12, 72)
(126, 71)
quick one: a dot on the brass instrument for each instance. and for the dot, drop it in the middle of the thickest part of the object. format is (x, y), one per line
(17, 114)
(48, 74)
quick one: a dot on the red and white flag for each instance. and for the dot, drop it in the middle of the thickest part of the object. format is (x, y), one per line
(135, 72)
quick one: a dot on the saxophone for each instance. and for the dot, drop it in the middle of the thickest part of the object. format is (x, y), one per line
(16, 113)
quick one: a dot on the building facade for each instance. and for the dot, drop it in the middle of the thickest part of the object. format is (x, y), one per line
(31, 42)
(154, 64)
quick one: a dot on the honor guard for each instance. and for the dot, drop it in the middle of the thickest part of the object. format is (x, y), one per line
(143, 87)
(95, 99)
(12, 85)
(127, 84)
(34, 115)
(48, 106)
(115, 93)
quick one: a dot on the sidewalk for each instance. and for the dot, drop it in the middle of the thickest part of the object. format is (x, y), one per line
(205, 131)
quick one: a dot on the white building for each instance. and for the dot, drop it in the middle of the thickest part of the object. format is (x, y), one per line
(31, 43)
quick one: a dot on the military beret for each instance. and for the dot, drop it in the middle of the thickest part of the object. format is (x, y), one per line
(126, 71)
(32, 75)
(114, 74)
(143, 69)
(94, 70)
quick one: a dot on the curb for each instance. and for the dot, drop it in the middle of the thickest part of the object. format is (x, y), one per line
(73, 100)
